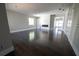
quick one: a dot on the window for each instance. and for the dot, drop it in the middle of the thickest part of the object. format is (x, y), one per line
(58, 22)
(69, 23)
(31, 21)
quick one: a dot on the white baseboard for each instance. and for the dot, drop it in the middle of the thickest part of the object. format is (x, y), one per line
(74, 48)
(4, 52)
(22, 30)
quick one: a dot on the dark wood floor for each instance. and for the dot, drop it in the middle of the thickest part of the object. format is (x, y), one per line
(41, 43)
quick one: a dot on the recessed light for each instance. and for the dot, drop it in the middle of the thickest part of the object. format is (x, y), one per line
(63, 9)
(59, 8)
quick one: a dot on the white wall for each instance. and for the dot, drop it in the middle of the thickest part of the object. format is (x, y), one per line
(18, 22)
(5, 39)
(75, 30)
(68, 17)
(72, 32)
(44, 20)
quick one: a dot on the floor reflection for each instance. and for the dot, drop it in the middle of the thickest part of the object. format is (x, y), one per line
(56, 40)
(31, 35)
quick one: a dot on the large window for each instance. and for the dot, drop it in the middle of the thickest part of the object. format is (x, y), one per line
(31, 21)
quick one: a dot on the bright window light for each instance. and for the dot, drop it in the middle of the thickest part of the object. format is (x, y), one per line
(31, 21)
(69, 23)
(31, 36)
(58, 22)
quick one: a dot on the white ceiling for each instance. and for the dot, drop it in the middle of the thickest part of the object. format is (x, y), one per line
(35, 8)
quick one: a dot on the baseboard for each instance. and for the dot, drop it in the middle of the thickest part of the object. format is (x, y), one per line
(22, 30)
(4, 52)
(74, 48)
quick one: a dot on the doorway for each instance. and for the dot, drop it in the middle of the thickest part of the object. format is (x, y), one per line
(58, 23)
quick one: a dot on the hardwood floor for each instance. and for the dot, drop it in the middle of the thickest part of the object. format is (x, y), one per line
(41, 43)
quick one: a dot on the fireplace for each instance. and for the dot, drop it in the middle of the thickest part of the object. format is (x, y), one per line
(44, 25)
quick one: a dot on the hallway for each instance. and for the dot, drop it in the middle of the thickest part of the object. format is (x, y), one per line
(41, 43)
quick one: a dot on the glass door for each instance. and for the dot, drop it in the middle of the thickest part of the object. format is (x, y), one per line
(58, 23)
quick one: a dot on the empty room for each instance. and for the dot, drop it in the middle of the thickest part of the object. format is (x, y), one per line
(39, 29)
